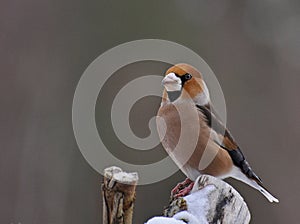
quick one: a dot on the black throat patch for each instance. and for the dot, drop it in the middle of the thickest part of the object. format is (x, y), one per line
(173, 95)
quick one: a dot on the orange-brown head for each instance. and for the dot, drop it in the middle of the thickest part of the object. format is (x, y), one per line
(185, 81)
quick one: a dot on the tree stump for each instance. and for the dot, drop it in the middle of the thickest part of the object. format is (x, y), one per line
(118, 192)
(210, 201)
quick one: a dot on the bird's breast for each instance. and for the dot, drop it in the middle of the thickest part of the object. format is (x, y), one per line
(183, 132)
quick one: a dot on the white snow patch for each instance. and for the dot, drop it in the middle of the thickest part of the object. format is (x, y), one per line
(197, 209)
(179, 218)
(124, 177)
(164, 220)
(198, 204)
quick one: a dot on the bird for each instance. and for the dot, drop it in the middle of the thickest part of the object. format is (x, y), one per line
(193, 135)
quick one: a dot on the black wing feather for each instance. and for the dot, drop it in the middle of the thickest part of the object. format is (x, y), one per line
(236, 154)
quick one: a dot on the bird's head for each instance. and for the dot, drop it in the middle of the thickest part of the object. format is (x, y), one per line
(185, 81)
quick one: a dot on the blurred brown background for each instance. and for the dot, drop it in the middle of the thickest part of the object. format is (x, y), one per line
(252, 46)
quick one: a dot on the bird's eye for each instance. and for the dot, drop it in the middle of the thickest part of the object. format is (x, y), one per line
(187, 76)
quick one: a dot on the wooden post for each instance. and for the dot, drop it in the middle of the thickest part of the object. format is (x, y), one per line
(118, 193)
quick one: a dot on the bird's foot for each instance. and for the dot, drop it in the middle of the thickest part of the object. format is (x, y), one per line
(182, 189)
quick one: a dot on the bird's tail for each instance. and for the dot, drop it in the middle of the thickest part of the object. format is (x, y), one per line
(267, 194)
(242, 177)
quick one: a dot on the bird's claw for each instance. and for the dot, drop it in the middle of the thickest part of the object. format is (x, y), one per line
(182, 189)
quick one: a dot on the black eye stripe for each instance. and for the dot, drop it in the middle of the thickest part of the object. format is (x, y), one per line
(184, 78)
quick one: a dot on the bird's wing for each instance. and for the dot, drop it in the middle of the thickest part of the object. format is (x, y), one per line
(228, 142)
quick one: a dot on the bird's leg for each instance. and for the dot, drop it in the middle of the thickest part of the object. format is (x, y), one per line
(180, 186)
(182, 189)
(185, 191)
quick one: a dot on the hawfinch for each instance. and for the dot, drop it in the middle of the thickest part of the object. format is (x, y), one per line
(193, 135)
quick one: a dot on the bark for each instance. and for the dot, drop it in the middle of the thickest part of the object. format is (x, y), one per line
(118, 192)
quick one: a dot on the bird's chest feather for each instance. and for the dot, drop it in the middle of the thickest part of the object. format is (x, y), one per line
(182, 130)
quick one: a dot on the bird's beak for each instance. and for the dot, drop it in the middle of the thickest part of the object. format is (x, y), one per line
(171, 82)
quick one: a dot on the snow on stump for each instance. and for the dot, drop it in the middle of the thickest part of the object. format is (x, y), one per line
(118, 192)
(210, 201)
